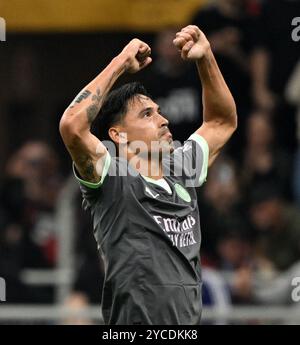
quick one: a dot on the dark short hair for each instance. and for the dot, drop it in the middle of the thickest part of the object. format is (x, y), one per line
(115, 107)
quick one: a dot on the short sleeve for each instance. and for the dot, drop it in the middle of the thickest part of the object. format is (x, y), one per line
(190, 161)
(91, 191)
(91, 185)
(115, 170)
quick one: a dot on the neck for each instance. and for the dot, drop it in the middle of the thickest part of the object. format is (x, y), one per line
(148, 167)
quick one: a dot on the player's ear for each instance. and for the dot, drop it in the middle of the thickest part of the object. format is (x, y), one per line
(117, 135)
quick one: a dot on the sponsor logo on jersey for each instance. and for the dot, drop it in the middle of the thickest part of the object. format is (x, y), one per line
(180, 232)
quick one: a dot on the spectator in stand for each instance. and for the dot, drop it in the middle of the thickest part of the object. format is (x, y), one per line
(277, 224)
(293, 96)
(235, 246)
(28, 196)
(236, 258)
(234, 30)
(281, 55)
(263, 160)
(221, 200)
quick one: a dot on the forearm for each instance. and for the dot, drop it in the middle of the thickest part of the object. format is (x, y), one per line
(218, 103)
(84, 109)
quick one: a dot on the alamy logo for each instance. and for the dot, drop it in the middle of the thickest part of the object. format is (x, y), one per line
(296, 30)
(2, 29)
(2, 290)
(296, 291)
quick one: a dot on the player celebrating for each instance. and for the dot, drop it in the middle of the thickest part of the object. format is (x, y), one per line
(143, 201)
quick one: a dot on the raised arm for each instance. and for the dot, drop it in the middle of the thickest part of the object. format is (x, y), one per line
(219, 115)
(86, 150)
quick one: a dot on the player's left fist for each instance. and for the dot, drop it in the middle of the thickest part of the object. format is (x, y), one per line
(191, 42)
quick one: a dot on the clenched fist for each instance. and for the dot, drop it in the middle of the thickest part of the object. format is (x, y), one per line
(191, 42)
(136, 55)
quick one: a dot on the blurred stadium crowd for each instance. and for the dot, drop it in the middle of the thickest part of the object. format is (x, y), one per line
(250, 203)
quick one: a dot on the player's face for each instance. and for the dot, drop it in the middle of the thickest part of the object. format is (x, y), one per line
(145, 123)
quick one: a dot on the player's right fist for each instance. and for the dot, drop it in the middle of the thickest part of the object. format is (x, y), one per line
(136, 55)
(192, 43)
